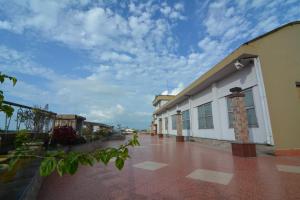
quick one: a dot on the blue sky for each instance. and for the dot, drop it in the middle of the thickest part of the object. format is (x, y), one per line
(106, 60)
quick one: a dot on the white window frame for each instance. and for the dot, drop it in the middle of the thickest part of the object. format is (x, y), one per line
(206, 116)
(174, 122)
(252, 107)
(186, 121)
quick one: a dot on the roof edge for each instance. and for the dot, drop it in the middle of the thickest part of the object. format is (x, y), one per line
(272, 31)
(190, 86)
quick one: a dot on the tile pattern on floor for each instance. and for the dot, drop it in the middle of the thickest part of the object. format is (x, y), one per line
(150, 165)
(211, 176)
(289, 168)
(156, 144)
(253, 178)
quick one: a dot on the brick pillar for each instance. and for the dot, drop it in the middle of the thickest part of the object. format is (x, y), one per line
(160, 134)
(153, 129)
(179, 137)
(160, 126)
(240, 122)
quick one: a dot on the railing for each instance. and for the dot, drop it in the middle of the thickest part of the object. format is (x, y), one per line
(33, 119)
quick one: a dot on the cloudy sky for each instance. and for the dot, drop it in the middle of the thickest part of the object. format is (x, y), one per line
(107, 59)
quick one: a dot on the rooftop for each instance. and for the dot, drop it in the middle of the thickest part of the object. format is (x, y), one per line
(162, 97)
(69, 117)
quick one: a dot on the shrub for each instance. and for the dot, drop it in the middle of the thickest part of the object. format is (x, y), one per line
(21, 137)
(64, 135)
(80, 140)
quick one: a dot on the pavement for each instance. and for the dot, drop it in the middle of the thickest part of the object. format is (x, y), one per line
(166, 169)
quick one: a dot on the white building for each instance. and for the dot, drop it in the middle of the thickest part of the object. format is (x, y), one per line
(267, 69)
(205, 110)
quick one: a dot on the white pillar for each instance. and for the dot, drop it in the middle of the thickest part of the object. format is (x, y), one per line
(263, 97)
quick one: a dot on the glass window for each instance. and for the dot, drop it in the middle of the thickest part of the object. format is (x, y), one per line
(250, 108)
(186, 119)
(205, 118)
(166, 123)
(173, 122)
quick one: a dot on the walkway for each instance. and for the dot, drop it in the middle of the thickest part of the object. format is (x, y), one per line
(164, 169)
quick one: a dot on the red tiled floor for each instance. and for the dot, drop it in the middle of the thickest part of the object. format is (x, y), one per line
(253, 178)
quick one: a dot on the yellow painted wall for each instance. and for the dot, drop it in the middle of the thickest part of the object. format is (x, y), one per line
(279, 54)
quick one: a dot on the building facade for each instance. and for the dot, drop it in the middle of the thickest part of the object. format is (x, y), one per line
(75, 121)
(267, 68)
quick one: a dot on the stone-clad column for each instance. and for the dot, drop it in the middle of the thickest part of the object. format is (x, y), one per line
(153, 128)
(160, 134)
(240, 122)
(241, 147)
(179, 137)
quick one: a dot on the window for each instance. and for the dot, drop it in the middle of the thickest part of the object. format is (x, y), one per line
(173, 122)
(205, 118)
(160, 125)
(166, 123)
(186, 119)
(250, 108)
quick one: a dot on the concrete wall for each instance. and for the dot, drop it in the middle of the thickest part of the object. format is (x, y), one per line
(160, 104)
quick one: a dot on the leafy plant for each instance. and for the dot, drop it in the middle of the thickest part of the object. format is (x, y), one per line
(64, 135)
(68, 162)
(60, 161)
(40, 118)
(8, 110)
(22, 137)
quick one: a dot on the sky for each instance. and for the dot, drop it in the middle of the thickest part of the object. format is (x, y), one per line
(107, 59)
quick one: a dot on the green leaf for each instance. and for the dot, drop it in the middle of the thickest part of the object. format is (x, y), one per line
(72, 167)
(8, 110)
(119, 163)
(125, 153)
(14, 80)
(71, 163)
(47, 166)
(60, 167)
(90, 159)
(12, 163)
(86, 159)
(105, 157)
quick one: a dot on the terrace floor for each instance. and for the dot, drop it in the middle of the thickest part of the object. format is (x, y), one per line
(164, 169)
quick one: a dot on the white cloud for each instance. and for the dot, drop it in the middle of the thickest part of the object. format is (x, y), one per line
(12, 60)
(6, 25)
(220, 18)
(175, 91)
(114, 56)
(143, 114)
(174, 13)
(166, 10)
(100, 114)
(132, 54)
(179, 6)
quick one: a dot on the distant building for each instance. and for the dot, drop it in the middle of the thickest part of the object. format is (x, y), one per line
(158, 102)
(267, 68)
(95, 126)
(128, 131)
(75, 121)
